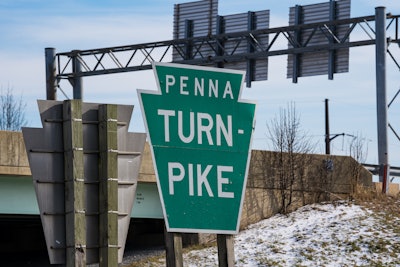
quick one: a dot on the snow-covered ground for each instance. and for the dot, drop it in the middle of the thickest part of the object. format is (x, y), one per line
(338, 234)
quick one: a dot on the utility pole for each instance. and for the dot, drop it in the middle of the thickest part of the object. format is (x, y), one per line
(51, 73)
(327, 134)
(328, 137)
(381, 101)
(77, 78)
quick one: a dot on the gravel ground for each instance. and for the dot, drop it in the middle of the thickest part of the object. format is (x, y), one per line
(31, 259)
(134, 255)
(40, 258)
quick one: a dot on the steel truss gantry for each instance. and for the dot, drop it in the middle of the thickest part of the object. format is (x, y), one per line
(79, 63)
(76, 64)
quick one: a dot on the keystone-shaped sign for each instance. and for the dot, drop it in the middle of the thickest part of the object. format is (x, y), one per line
(200, 132)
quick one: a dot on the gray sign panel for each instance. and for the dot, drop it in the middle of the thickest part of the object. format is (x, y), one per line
(200, 19)
(194, 19)
(319, 62)
(202, 13)
(45, 149)
(258, 68)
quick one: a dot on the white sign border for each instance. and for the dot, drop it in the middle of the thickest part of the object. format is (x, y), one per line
(240, 100)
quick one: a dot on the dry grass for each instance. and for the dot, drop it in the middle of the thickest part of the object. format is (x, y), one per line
(152, 261)
(376, 201)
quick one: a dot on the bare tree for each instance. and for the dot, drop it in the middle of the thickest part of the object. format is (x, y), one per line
(12, 111)
(292, 145)
(358, 150)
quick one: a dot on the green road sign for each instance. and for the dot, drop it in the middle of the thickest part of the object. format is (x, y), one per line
(200, 133)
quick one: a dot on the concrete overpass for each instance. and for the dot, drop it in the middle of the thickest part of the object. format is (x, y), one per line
(17, 194)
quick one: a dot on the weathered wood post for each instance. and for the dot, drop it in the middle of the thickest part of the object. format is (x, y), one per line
(75, 221)
(173, 246)
(226, 250)
(108, 186)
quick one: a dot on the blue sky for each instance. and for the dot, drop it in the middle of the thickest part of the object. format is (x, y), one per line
(27, 27)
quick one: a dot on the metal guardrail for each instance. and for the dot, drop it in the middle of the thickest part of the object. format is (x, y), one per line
(374, 169)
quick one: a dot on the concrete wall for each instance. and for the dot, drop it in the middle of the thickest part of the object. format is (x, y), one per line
(146, 172)
(322, 177)
(394, 189)
(13, 158)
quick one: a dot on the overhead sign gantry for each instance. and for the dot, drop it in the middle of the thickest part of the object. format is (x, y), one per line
(325, 38)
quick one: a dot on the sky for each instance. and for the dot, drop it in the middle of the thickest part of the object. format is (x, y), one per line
(27, 27)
